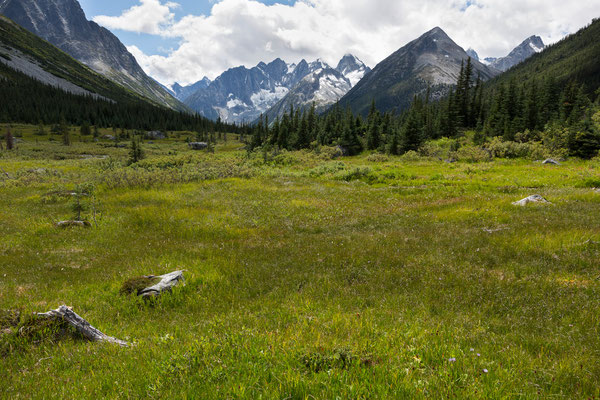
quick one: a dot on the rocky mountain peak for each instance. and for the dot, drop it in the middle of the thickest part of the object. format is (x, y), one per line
(523, 51)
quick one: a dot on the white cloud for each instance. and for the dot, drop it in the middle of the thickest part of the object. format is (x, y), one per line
(149, 17)
(245, 32)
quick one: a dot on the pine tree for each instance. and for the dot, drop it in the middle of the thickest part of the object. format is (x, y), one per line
(302, 138)
(413, 133)
(136, 153)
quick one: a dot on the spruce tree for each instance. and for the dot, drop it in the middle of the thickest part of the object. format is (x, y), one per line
(413, 133)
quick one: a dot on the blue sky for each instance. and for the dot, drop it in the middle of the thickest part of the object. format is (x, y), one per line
(152, 44)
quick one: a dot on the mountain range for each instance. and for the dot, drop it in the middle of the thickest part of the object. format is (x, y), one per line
(64, 24)
(530, 46)
(241, 95)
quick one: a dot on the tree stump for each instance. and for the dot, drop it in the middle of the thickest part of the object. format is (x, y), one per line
(82, 326)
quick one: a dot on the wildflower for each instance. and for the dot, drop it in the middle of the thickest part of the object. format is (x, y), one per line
(452, 359)
(485, 371)
(472, 349)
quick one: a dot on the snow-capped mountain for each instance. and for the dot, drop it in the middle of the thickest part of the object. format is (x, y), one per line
(352, 68)
(64, 24)
(241, 95)
(183, 92)
(322, 87)
(526, 49)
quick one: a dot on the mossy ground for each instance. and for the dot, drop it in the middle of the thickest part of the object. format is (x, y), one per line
(306, 277)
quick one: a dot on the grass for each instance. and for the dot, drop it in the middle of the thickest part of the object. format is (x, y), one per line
(363, 277)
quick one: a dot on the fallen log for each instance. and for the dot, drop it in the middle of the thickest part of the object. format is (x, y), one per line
(68, 224)
(166, 283)
(550, 161)
(536, 198)
(82, 326)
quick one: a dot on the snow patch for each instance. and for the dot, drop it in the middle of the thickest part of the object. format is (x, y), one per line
(535, 48)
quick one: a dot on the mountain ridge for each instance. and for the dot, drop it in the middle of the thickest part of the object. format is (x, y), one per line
(431, 61)
(242, 94)
(64, 24)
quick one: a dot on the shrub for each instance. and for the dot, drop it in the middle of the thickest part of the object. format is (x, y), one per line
(378, 157)
(410, 155)
(472, 153)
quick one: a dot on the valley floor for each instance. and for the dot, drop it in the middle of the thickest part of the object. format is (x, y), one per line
(306, 277)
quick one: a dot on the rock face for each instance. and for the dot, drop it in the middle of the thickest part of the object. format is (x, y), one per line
(241, 95)
(64, 24)
(473, 54)
(530, 46)
(433, 60)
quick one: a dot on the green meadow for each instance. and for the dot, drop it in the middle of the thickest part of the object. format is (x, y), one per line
(307, 276)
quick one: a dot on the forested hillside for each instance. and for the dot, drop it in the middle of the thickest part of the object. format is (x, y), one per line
(27, 98)
(547, 102)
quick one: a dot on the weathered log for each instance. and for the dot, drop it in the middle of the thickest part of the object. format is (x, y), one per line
(68, 224)
(550, 161)
(82, 326)
(536, 198)
(166, 283)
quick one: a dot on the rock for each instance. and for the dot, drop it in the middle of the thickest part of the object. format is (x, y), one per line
(155, 135)
(68, 224)
(536, 198)
(450, 161)
(551, 161)
(198, 145)
(108, 137)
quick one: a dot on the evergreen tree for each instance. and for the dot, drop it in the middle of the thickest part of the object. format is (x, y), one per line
(85, 129)
(413, 133)
(136, 152)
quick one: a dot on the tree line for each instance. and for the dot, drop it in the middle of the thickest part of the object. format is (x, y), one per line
(510, 111)
(26, 100)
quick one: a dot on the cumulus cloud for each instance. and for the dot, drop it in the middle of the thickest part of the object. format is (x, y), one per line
(245, 32)
(151, 16)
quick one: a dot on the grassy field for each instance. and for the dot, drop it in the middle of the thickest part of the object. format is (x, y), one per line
(306, 276)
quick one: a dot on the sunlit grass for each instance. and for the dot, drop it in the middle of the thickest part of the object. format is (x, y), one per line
(420, 275)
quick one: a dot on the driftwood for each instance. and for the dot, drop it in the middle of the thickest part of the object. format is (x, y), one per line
(166, 283)
(82, 326)
(68, 224)
(536, 198)
(550, 161)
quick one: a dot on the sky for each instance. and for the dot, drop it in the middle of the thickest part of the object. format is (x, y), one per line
(185, 40)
